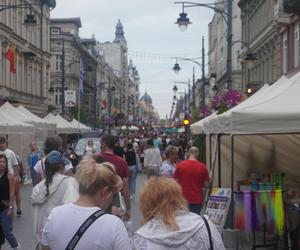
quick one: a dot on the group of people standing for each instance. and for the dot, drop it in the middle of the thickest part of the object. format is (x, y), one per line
(83, 210)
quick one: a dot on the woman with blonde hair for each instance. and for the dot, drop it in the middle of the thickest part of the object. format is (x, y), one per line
(84, 224)
(167, 222)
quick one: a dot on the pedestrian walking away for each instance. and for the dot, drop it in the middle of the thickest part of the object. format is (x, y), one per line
(152, 159)
(131, 159)
(34, 156)
(167, 222)
(192, 175)
(97, 185)
(18, 183)
(55, 190)
(107, 143)
(7, 194)
(169, 164)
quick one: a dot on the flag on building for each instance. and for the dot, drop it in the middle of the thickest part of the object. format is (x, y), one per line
(104, 104)
(10, 55)
(81, 79)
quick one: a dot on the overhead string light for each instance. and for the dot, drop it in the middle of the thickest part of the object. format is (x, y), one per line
(159, 56)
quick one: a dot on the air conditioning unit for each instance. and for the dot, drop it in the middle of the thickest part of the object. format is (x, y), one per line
(291, 6)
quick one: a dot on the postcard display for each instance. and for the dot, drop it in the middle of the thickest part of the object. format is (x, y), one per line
(218, 205)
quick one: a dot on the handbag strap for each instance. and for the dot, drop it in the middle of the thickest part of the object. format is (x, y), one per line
(209, 232)
(85, 225)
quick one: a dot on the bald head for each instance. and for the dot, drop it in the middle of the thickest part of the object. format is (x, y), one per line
(193, 153)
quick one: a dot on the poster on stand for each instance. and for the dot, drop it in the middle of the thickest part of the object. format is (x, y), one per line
(218, 205)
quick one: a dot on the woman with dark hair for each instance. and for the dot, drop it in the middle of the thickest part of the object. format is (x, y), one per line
(131, 162)
(152, 160)
(7, 195)
(51, 143)
(55, 190)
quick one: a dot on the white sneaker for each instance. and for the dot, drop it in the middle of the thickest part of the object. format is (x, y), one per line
(19, 246)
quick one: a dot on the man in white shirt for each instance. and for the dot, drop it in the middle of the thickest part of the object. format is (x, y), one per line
(152, 160)
(13, 165)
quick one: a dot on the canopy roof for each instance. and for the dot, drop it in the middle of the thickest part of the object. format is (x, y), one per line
(63, 126)
(79, 125)
(11, 124)
(277, 113)
(262, 113)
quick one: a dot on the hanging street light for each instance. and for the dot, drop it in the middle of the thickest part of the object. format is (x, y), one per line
(30, 22)
(183, 21)
(176, 68)
(175, 89)
(250, 59)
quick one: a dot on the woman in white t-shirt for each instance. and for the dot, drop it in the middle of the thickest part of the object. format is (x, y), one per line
(97, 185)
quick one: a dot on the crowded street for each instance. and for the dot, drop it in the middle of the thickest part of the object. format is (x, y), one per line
(149, 125)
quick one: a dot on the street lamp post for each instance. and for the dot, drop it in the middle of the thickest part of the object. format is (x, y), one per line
(183, 22)
(63, 77)
(177, 68)
(188, 93)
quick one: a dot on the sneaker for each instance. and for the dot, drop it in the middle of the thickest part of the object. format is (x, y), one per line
(18, 247)
(19, 212)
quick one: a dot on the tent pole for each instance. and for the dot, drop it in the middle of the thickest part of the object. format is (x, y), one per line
(232, 177)
(219, 160)
(210, 154)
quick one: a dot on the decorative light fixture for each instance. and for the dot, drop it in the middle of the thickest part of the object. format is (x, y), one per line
(174, 97)
(175, 89)
(176, 68)
(183, 21)
(51, 90)
(30, 22)
(250, 59)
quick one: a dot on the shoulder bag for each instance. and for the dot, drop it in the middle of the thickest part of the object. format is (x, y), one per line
(209, 232)
(85, 225)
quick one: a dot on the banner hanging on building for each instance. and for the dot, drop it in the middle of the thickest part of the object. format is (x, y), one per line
(70, 98)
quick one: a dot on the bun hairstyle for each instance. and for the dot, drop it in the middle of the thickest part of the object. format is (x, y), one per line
(92, 177)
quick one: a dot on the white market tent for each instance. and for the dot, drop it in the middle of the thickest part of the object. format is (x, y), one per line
(79, 125)
(35, 119)
(63, 126)
(9, 124)
(133, 128)
(198, 127)
(261, 135)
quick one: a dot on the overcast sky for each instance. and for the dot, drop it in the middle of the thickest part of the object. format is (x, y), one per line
(152, 38)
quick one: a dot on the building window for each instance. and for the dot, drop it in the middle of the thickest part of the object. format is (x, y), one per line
(284, 53)
(296, 45)
(58, 96)
(58, 64)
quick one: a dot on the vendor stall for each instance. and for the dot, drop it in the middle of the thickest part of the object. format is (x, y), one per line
(260, 136)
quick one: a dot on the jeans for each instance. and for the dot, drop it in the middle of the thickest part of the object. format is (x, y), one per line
(7, 229)
(195, 208)
(32, 174)
(132, 178)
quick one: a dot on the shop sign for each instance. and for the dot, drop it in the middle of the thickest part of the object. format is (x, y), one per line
(70, 98)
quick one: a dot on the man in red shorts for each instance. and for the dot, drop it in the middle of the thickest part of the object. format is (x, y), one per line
(192, 175)
(107, 144)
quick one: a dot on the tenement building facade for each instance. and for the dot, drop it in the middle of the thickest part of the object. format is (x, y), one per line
(25, 55)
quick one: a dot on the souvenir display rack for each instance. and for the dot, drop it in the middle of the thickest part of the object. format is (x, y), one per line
(259, 207)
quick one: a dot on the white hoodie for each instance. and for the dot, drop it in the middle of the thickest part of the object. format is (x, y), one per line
(192, 235)
(62, 190)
